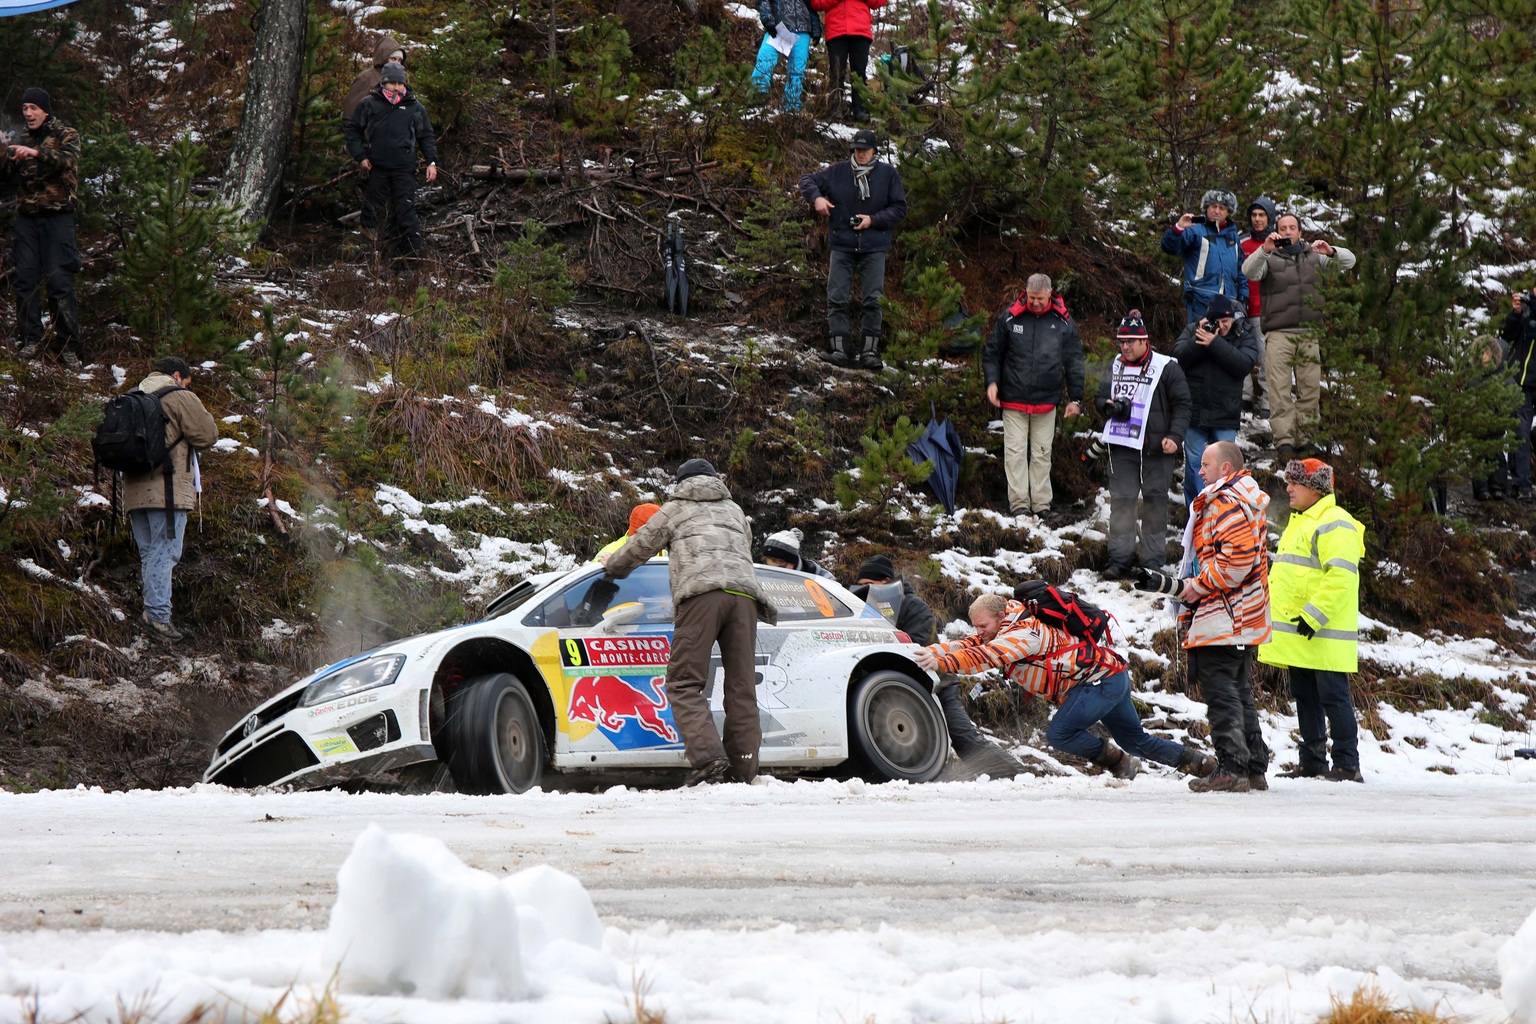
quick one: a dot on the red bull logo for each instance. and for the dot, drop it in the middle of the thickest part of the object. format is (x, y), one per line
(610, 701)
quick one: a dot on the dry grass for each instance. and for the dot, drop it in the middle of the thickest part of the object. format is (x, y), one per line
(1369, 1005)
(641, 1013)
(471, 450)
(292, 1007)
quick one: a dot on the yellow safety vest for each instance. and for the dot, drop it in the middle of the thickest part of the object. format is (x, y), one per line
(1315, 573)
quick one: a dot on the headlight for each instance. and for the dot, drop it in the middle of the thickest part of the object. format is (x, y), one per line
(364, 675)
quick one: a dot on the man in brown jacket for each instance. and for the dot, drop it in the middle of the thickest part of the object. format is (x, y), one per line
(388, 50)
(715, 599)
(157, 530)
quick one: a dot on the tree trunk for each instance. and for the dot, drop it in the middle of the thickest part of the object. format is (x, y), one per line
(255, 169)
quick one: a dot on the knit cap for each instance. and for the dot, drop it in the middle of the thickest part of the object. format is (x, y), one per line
(785, 544)
(640, 515)
(695, 467)
(1313, 473)
(392, 73)
(38, 98)
(1132, 326)
(877, 567)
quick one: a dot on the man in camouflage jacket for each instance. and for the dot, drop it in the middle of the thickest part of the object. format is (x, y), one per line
(715, 598)
(44, 160)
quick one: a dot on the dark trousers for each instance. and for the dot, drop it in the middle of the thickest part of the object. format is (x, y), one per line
(45, 256)
(870, 266)
(1224, 678)
(701, 622)
(397, 188)
(1520, 458)
(1146, 475)
(1109, 702)
(964, 738)
(846, 52)
(1323, 706)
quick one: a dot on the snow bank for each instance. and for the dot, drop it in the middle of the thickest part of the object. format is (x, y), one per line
(412, 919)
(1517, 967)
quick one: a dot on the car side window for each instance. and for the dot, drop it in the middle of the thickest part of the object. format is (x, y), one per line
(583, 601)
(800, 598)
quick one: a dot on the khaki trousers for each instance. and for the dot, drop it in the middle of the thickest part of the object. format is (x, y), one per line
(698, 624)
(1027, 439)
(1293, 353)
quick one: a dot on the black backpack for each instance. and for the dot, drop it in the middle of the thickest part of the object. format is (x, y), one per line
(1078, 617)
(131, 440)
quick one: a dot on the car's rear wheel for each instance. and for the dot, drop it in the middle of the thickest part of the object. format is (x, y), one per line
(493, 740)
(896, 729)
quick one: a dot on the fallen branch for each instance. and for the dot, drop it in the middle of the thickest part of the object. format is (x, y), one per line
(497, 172)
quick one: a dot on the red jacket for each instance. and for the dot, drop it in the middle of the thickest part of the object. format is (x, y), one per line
(847, 17)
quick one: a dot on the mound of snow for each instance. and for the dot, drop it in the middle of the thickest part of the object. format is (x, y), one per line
(1517, 966)
(412, 919)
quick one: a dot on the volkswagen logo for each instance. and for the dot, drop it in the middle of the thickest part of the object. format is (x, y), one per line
(251, 725)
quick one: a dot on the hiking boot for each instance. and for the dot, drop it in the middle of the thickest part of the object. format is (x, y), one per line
(29, 350)
(161, 630)
(1193, 762)
(71, 361)
(708, 772)
(1117, 572)
(1257, 783)
(1344, 775)
(1480, 492)
(1301, 773)
(1285, 453)
(869, 355)
(1116, 761)
(839, 353)
(1222, 782)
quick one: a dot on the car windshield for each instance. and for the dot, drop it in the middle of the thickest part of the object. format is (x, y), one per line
(799, 597)
(583, 601)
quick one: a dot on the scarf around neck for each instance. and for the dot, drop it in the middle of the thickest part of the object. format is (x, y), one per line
(861, 176)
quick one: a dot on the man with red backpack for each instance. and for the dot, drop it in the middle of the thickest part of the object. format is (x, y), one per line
(158, 512)
(850, 30)
(1086, 680)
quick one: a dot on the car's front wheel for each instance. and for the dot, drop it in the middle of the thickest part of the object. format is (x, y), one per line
(493, 740)
(896, 729)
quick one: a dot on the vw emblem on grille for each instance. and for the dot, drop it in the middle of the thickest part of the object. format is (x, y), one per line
(251, 725)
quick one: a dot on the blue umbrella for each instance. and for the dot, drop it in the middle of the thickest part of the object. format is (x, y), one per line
(940, 445)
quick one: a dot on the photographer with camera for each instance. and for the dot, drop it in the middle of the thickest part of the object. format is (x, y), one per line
(1216, 354)
(1292, 270)
(1209, 247)
(864, 201)
(1519, 333)
(1225, 614)
(1032, 355)
(1145, 401)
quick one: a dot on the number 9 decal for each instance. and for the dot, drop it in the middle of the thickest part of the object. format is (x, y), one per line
(573, 651)
(823, 603)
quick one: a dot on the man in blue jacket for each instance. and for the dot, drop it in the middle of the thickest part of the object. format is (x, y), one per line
(864, 200)
(1213, 261)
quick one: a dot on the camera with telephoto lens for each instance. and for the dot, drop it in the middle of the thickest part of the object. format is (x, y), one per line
(1118, 409)
(1153, 582)
(1096, 451)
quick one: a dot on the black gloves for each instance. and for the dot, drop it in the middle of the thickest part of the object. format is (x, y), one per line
(1304, 628)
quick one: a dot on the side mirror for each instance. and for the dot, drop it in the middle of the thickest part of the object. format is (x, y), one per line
(620, 615)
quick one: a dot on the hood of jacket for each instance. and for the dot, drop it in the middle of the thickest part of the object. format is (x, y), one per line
(387, 45)
(1058, 306)
(154, 382)
(1268, 206)
(701, 488)
(1245, 490)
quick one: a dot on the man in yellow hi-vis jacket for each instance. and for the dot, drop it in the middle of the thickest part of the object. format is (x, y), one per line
(1314, 605)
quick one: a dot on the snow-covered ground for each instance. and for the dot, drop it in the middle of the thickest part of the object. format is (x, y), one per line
(1065, 899)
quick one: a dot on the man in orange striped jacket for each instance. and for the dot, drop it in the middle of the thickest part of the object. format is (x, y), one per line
(1087, 681)
(1226, 613)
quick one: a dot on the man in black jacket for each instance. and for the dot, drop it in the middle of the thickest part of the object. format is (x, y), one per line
(896, 599)
(1034, 353)
(1145, 401)
(1217, 354)
(865, 201)
(383, 135)
(1519, 334)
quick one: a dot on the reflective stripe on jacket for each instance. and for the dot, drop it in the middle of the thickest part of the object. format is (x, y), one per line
(1230, 536)
(1316, 575)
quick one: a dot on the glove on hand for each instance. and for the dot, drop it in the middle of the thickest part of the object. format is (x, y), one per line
(1304, 628)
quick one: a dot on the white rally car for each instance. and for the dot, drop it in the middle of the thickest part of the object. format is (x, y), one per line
(564, 674)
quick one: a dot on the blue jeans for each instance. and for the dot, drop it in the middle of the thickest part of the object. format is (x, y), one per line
(1195, 441)
(158, 555)
(1108, 702)
(768, 59)
(1322, 703)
